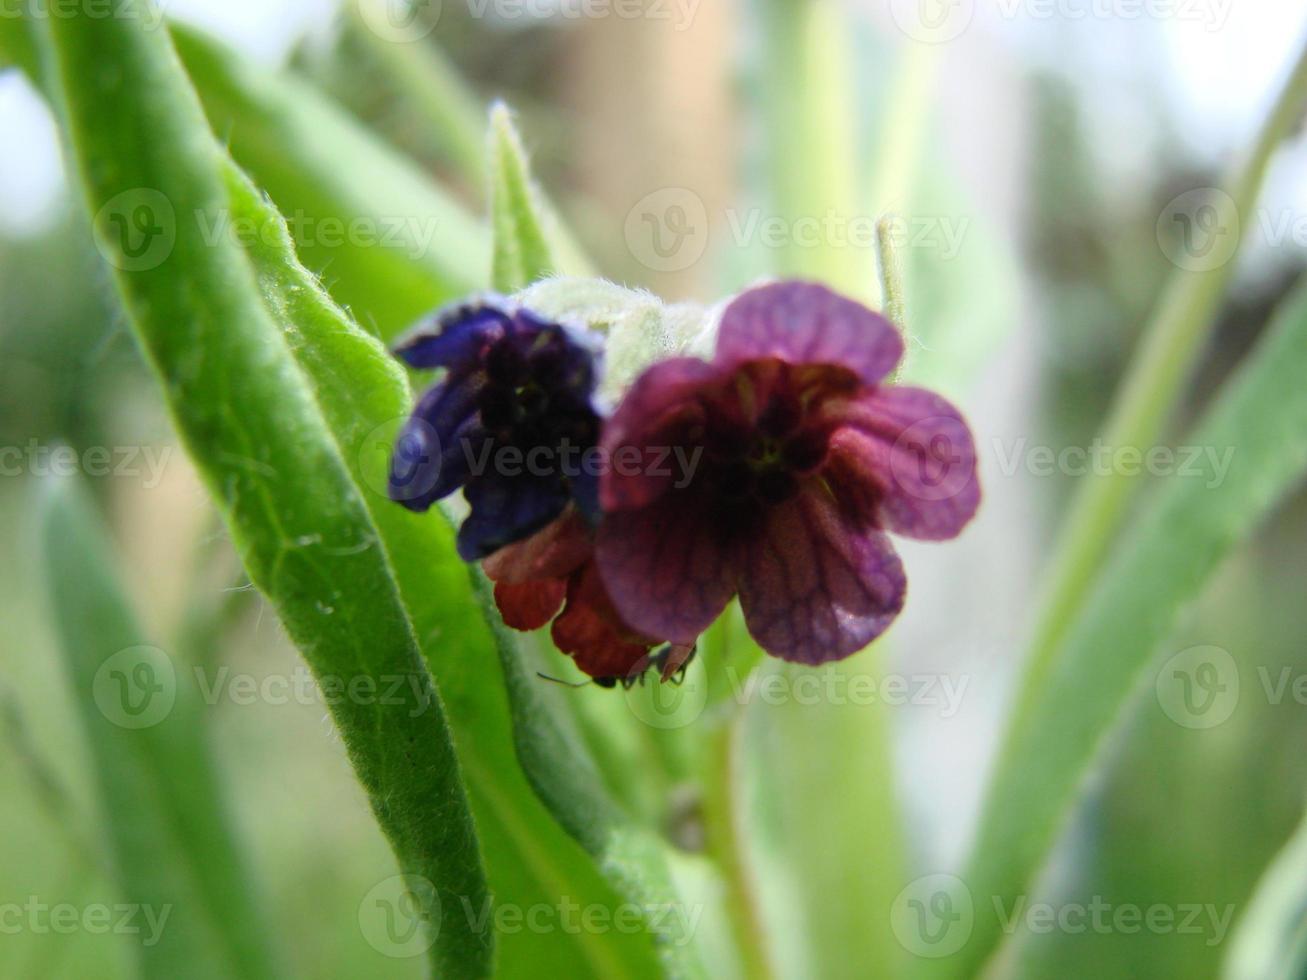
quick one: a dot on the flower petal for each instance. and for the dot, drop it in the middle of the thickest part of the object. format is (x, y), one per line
(530, 605)
(668, 568)
(816, 587)
(505, 510)
(656, 414)
(806, 323)
(434, 448)
(555, 551)
(905, 457)
(592, 632)
(455, 336)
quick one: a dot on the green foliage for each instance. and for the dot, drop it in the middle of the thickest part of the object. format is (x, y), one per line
(264, 441)
(1177, 543)
(391, 243)
(164, 817)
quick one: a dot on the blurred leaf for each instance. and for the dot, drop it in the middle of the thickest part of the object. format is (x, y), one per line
(262, 441)
(1191, 525)
(419, 84)
(16, 47)
(173, 851)
(811, 122)
(531, 862)
(390, 244)
(1185, 316)
(1271, 941)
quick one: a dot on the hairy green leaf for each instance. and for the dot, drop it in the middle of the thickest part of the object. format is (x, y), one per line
(153, 176)
(530, 861)
(389, 243)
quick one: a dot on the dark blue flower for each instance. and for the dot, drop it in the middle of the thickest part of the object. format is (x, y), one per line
(509, 422)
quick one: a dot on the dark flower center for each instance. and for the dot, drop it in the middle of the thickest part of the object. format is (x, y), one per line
(530, 399)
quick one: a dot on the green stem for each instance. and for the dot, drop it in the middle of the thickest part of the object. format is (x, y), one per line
(722, 817)
(893, 301)
(1153, 383)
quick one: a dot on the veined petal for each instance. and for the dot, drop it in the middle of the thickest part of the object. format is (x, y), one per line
(530, 605)
(667, 566)
(505, 510)
(816, 587)
(591, 631)
(432, 453)
(905, 456)
(806, 323)
(662, 405)
(553, 552)
(454, 337)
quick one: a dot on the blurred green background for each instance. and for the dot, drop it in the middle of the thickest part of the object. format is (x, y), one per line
(1034, 158)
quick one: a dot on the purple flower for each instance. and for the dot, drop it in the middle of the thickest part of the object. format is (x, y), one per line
(513, 383)
(807, 459)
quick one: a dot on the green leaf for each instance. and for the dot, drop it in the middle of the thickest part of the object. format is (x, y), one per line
(263, 442)
(390, 243)
(530, 860)
(173, 850)
(422, 90)
(1271, 940)
(529, 241)
(1172, 343)
(567, 780)
(1192, 524)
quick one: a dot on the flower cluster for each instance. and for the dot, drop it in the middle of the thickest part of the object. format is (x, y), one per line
(771, 472)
